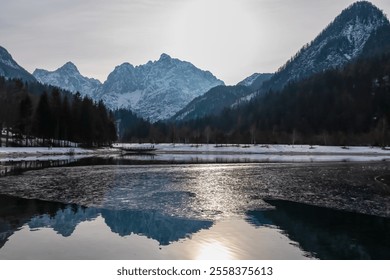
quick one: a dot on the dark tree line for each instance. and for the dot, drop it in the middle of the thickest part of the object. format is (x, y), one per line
(52, 117)
(348, 106)
(131, 127)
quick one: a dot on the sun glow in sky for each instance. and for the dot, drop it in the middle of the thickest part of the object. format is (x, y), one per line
(230, 38)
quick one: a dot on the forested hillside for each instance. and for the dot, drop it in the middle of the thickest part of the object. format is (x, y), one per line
(347, 106)
(32, 114)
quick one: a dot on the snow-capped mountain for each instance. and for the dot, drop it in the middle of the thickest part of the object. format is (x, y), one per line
(156, 90)
(10, 69)
(68, 77)
(342, 41)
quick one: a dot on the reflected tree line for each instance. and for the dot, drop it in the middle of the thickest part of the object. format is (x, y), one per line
(36, 115)
(18, 167)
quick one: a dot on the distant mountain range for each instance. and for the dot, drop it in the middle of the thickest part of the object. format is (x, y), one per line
(358, 31)
(173, 89)
(152, 224)
(64, 219)
(155, 90)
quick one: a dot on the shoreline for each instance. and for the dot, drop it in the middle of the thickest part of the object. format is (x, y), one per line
(231, 149)
(276, 153)
(36, 153)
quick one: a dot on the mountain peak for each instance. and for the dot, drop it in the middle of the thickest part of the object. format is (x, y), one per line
(164, 56)
(125, 65)
(69, 67)
(6, 58)
(9, 68)
(123, 69)
(340, 42)
(363, 5)
(68, 77)
(363, 11)
(4, 53)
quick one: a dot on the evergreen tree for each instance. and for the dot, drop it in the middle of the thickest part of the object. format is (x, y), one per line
(25, 117)
(43, 122)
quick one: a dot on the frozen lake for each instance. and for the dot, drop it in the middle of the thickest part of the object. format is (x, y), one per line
(140, 208)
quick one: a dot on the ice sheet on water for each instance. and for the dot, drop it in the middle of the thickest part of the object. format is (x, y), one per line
(207, 191)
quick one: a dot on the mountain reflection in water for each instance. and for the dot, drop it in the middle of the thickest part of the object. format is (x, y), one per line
(63, 219)
(290, 231)
(112, 209)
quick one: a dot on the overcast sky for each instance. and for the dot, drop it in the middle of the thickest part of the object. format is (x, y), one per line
(230, 38)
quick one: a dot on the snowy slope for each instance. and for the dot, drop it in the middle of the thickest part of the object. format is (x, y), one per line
(68, 77)
(255, 80)
(342, 41)
(10, 69)
(156, 90)
(249, 80)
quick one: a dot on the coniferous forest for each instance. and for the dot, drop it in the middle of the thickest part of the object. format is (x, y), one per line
(36, 115)
(347, 106)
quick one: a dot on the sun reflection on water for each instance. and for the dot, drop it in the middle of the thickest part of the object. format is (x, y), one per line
(218, 191)
(214, 250)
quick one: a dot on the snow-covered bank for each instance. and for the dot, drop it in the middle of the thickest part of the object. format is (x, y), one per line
(212, 153)
(42, 153)
(262, 158)
(261, 149)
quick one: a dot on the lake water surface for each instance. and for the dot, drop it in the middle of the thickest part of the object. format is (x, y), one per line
(119, 208)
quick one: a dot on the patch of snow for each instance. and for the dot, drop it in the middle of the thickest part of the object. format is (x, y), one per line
(43, 153)
(347, 56)
(244, 99)
(42, 150)
(249, 81)
(10, 63)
